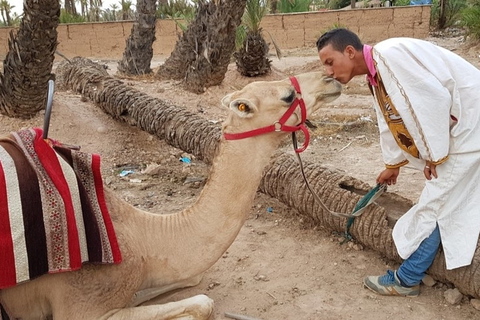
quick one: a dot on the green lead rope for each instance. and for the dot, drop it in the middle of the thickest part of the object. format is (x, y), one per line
(370, 197)
(363, 203)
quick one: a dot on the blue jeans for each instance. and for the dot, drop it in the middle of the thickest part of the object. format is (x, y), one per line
(412, 270)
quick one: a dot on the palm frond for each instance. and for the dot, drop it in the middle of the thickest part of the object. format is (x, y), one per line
(255, 10)
(278, 51)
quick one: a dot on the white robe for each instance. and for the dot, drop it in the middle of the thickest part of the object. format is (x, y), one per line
(429, 84)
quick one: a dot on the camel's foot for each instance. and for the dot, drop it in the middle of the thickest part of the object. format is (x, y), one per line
(199, 307)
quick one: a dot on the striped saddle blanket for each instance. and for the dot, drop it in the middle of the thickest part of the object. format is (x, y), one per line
(53, 215)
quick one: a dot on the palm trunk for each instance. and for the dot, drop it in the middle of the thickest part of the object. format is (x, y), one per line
(252, 59)
(139, 48)
(282, 179)
(178, 127)
(28, 63)
(201, 57)
(70, 7)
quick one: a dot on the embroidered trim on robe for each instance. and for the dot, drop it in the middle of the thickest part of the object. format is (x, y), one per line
(394, 121)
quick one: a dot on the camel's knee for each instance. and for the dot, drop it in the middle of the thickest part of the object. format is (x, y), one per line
(201, 306)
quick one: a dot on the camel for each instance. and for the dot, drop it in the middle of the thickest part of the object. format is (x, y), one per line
(171, 251)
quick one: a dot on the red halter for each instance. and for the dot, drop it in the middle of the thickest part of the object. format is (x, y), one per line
(280, 124)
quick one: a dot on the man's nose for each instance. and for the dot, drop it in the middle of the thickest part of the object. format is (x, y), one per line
(329, 71)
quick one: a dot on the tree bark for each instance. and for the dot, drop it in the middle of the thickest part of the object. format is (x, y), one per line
(273, 6)
(138, 53)
(202, 55)
(442, 19)
(70, 7)
(282, 179)
(28, 63)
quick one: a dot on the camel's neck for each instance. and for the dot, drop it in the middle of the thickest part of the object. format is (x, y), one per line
(226, 199)
(187, 243)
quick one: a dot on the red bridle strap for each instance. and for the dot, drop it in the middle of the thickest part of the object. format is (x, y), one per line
(280, 124)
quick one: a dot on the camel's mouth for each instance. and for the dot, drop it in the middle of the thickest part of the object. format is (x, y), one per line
(330, 96)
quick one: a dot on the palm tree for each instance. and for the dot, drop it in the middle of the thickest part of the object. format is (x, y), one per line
(114, 7)
(252, 58)
(70, 7)
(139, 48)
(28, 63)
(5, 10)
(126, 9)
(273, 6)
(95, 7)
(201, 56)
(84, 8)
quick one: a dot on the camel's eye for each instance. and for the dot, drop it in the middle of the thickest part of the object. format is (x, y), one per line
(289, 99)
(242, 107)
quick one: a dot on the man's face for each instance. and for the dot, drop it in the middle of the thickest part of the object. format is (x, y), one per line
(337, 64)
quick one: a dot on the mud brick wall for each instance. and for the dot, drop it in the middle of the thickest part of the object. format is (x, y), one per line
(289, 31)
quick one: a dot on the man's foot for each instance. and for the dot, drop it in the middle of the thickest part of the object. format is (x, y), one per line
(389, 285)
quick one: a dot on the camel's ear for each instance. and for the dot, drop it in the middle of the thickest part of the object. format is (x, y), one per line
(226, 100)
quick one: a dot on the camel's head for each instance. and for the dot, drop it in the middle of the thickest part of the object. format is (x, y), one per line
(266, 106)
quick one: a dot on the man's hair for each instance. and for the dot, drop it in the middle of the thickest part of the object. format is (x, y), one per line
(339, 39)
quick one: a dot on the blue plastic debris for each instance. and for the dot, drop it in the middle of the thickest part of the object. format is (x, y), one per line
(126, 173)
(185, 160)
(269, 209)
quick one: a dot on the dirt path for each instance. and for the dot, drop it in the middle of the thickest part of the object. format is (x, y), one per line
(278, 268)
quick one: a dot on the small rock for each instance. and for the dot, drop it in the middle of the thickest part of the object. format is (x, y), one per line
(428, 281)
(475, 304)
(101, 129)
(213, 285)
(358, 247)
(152, 169)
(453, 296)
(261, 277)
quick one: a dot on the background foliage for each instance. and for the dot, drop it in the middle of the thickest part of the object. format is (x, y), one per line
(458, 13)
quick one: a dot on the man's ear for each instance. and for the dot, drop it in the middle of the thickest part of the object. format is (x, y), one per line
(350, 51)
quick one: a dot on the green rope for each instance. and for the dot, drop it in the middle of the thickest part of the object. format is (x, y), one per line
(370, 197)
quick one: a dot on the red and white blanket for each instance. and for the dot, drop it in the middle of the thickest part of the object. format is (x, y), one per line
(53, 215)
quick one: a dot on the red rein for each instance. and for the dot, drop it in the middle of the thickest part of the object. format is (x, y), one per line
(280, 124)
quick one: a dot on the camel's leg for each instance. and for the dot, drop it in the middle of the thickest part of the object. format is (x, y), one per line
(148, 294)
(198, 307)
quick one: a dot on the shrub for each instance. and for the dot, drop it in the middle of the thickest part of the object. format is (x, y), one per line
(470, 19)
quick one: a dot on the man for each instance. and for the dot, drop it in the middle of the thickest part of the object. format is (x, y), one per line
(427, 101)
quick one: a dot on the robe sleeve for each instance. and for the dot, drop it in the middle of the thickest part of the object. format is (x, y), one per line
(393, 156)
(417, 81)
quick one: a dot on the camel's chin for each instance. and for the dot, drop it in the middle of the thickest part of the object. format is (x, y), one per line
(329, 97)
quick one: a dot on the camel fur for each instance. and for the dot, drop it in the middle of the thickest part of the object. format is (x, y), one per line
(166, 252)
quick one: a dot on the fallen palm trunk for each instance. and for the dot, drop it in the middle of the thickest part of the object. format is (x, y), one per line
(282, 178)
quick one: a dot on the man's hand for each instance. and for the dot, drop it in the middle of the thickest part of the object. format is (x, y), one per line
(388, 176)
(430, 171)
